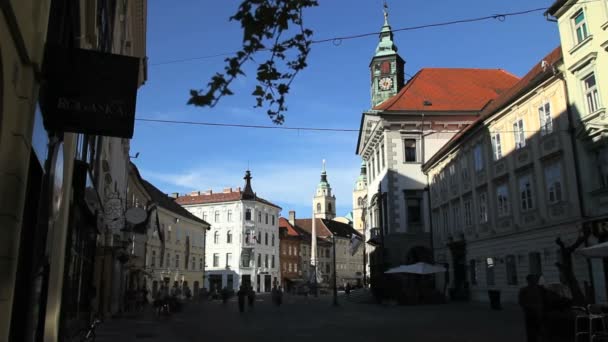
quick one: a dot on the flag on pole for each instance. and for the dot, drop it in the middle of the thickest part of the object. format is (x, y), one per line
(355, 243)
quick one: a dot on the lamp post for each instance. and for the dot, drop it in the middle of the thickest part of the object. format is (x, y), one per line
(335, 270)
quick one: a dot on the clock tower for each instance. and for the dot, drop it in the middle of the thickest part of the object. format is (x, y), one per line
(386, 67)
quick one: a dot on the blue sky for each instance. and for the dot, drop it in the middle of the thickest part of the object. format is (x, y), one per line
(332, 92)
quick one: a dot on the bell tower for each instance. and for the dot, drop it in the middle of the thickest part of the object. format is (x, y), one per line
(387, 67)
(324, 202)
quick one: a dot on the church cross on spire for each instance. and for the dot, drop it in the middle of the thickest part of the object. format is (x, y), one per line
(385, 10)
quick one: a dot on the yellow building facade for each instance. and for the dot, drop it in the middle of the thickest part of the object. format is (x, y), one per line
(505, 188)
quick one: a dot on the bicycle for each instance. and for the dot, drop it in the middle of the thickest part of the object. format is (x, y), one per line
(87, 334)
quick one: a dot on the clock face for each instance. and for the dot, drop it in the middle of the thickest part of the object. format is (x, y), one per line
(385, 83)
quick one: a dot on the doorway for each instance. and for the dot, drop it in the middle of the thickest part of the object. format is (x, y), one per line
(215, 282)
(267, 282)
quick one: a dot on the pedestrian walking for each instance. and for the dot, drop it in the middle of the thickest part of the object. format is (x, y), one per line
(241, 294)
(280, 296)
(531, 299)
(251, 297)
(225, 295)
(274, 293)
(347, 289)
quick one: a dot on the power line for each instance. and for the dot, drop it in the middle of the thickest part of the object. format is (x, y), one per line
(337, 40)
(316, 129)
(198, 123)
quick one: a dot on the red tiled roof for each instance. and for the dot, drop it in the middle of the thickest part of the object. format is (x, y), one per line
(217, 198)
(534, 77)
(284, 223)
(450, 89)
(306, 224)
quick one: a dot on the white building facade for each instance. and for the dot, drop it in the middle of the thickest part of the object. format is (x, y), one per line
(243, 244)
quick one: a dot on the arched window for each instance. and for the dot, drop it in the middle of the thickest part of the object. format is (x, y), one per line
(360, 201)
(273, 239)
(248, 214)
(229, 237)
(329, 207)
(318, 207)
(216, 237)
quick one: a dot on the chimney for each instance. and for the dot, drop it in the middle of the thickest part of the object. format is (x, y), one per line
(227, 190)
(209, 192)
(195, 193)
(174, 195)
(292, 217)
(238, 189)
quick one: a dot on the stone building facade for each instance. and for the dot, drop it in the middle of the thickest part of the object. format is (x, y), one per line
(403, 131)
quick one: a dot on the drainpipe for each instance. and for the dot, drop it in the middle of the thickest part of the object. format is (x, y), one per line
(577, 173)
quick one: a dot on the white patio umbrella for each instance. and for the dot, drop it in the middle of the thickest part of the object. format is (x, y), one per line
(417, 268)
(597, 251)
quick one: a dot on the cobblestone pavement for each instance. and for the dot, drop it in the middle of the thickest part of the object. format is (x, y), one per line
(305, 319)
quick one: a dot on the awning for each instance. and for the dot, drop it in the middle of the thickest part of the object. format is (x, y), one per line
(417, 268)
(596, 251)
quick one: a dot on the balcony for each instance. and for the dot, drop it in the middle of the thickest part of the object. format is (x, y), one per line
(375, 237)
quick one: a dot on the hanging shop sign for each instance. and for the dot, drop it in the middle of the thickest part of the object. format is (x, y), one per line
(89, 92)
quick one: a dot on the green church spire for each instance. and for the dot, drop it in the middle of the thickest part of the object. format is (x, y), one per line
(386, 46)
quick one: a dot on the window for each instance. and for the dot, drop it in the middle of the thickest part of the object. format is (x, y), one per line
(546, 121)
(410, 150)
(229, 237)
(553, 181)
(378, 161)
(519, 133)
(496, 148)
(266, 238)
(177, 261)
(591, 93)
(259, 216)
(446, 222)
(230, 281)
(248, 214)
(273, 220)
(525, 193)
(478, 156)
(329, 208)
(483, 208)
(373, 165)
(490, 271)
(153, 260)
(318, 207)
(272, 261)
(168, 262)
(534, 264)
(464, 168)
(290, 267)
(259, 260)
(580, 27)
(216, 237)
(295, 267)
(273, 240)
(327, 268)
(360, 202)
(456, 213)
(228, 259)
(216, 259)
(414, 210)
(266, 218)
(511, 270)
(473, 272)
(204, 216)
(229, 216)
(193, 263)
(266, 260)
(217, 216)
(382, 153)
(452, 170)
(502, 200)
(200, 264)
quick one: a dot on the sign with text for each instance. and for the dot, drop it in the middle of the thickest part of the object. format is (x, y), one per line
(89, 92)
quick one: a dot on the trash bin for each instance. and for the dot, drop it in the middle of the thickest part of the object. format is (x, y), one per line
(494, 299)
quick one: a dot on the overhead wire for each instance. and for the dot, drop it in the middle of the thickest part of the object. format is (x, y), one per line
(337, 40)
(317, 129)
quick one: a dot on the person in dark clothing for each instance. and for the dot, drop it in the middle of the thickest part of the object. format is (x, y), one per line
(251, 297)
(531, 300)
(241, 294)
(347, 288)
